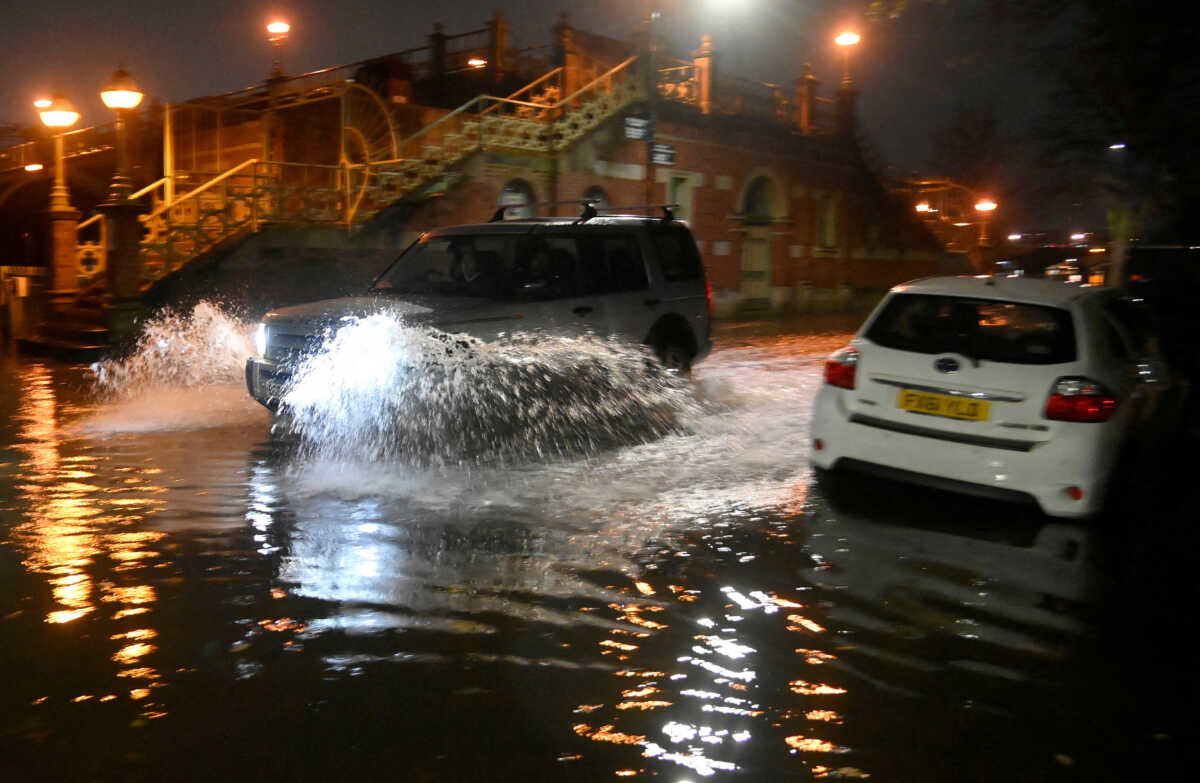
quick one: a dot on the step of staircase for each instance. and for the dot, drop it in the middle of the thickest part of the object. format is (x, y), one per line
(73, 334)
(75, 351)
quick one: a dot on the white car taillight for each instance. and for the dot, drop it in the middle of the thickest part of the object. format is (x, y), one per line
(840, 368)
(1075, 398)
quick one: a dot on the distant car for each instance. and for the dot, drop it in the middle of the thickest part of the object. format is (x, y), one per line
(1009, 387)
(639, 279)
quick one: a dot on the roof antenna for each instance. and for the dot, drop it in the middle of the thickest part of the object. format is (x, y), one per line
(589, 212)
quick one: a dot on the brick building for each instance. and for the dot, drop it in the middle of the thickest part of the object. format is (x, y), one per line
(771, 177)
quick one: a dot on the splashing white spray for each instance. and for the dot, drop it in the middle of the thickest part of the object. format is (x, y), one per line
(184, 373)
(381, 390)
(179, 350)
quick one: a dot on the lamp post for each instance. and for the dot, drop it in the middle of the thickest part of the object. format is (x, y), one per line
(277, 33)
(847, 40)
(122, 265)
(122, 96)
(58, 115)
(846, 92)
(985, 207)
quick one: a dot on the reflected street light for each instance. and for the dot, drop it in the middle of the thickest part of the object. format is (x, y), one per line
(58, 115)
(122, 96)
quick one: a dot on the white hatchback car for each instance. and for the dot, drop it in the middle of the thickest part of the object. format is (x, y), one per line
(996, 386)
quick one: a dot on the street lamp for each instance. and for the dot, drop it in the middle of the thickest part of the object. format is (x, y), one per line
(985, 207)
(847, 40)
(277, 33)
(122, 96)
(58, 114)
(122, 264)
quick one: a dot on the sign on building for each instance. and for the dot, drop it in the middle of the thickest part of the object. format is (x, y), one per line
(662, 154)
(639, 128)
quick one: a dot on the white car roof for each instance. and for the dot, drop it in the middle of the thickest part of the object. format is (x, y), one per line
(1032, 290)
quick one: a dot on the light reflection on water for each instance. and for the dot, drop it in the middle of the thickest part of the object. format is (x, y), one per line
(684, 607)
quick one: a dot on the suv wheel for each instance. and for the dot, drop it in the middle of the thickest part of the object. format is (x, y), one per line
(673, 355)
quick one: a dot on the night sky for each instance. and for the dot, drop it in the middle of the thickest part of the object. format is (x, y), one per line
(912, 71)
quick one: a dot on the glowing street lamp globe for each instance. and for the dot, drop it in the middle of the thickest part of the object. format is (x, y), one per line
(59, 114)
(985, 205)
(121, 92)
(43, 103)
(278, 29)
(847, 39)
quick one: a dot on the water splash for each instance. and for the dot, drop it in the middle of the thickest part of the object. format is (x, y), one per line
(184, 373)
(179, 350)
(381, 390)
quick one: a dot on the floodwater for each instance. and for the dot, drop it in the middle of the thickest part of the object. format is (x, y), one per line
(187, 595)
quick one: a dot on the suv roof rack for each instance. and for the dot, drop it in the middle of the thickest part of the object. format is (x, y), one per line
(588, 209)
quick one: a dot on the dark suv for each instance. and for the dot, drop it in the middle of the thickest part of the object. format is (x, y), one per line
(638, 279)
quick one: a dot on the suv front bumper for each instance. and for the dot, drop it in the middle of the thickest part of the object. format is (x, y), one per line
(265, 381)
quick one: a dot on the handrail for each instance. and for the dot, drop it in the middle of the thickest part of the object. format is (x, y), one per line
(496, 102)
(535, 83)
(201, 189)
(596, 81)
(93, 219)
(156, 183)
(256, 87)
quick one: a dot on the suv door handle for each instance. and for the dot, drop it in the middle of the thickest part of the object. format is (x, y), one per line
(653, 302)
(583, 310)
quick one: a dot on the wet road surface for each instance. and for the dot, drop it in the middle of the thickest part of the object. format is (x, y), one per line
(184, 596)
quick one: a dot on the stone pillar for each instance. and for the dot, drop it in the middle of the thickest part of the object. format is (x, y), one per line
(122, 305)
(566, 55)
(704, 71)
(497, 47)
(64, 261)
(437, 61)
(805, 107)
(846, 120)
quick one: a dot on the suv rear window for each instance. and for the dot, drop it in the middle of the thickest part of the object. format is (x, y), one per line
(677, 253)
(998, 331)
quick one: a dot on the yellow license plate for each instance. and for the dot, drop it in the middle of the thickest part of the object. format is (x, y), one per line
(943, 405)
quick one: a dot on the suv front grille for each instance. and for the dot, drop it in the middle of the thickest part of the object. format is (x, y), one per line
(282, 346)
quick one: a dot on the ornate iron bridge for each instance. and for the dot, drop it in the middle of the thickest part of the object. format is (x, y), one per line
(191, 212)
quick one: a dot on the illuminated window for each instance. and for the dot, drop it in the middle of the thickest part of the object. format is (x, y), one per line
(517, 197)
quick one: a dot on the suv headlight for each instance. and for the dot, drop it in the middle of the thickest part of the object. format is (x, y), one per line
(260, 340)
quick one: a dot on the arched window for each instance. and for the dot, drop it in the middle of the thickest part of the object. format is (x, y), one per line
(517, 198)
(758, 207)
(827, 212)
(596, 196)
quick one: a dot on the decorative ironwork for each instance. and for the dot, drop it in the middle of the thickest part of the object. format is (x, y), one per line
(235, 203)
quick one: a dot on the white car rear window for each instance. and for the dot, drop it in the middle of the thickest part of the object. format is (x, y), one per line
(993, 330)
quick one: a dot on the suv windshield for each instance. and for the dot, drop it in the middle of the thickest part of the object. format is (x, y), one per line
(451, 266)
(1012, 332)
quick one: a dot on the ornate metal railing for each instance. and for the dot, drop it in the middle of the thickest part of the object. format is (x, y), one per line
(488, 121)
(91, 244)
(753, 99)
(677, 82)
(83, 141)
(237, 202)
